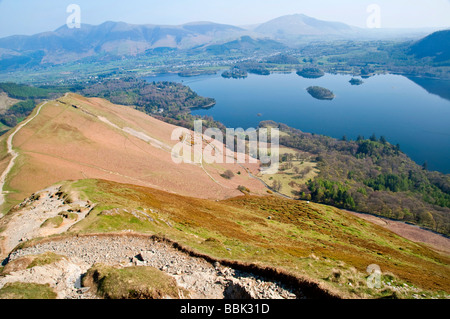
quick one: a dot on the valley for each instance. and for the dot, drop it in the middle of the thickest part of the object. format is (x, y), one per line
(110, 190)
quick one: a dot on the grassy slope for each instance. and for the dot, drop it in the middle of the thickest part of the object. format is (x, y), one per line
(310, 240)
(18, 290)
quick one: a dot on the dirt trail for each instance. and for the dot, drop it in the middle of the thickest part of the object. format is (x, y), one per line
(13, 154)
(28, 218)
(202, 277)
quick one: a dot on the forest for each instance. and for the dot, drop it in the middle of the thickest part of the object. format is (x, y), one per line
(28, 97)
(167, 101)
(151, 97)
(310, 73)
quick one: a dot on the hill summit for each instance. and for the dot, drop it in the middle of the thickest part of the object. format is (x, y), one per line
(435, 46)
(302, 25)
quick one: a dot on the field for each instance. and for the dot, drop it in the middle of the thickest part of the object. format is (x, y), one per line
(296, 168)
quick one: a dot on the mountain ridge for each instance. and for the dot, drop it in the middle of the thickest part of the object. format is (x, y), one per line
(300, 24)
(117, 40)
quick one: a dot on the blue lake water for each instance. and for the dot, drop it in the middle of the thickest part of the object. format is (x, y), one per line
(389, 105)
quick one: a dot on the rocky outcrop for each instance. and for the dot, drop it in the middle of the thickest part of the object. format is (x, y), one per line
(204, 280)
(36, 216)
(62, 276)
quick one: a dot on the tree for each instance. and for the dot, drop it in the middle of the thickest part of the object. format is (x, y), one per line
(426, 218)
(425, 166)
(243, 189)
(351, 175)
(374, 138)
(228, 174)
(277, 185)
(383, 140)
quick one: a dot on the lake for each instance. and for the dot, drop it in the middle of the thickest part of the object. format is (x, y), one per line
(405, 111)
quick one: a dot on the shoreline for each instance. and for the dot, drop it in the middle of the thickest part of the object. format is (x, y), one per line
(204, 107)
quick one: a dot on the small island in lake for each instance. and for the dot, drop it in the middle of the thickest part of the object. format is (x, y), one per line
(310, 73)
(355, 81)
(320, 93)
(259, 71)
(235, 73)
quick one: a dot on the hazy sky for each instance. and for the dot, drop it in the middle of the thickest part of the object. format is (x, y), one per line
(33, 16)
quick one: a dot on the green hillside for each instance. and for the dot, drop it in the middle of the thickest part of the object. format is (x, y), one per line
(371, 176)
(435, 46)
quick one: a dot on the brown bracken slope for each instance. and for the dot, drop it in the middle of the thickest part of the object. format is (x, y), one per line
(77, 138)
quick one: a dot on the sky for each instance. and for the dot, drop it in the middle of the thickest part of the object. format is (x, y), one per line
(34, 16)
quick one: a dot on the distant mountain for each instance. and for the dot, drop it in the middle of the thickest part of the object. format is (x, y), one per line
(210, 27)
(435, 46)
(245, 44)
(100, 37)
(301, 25)
(114, 38)
(297, 28)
